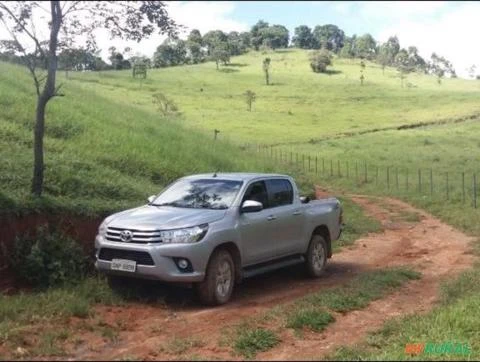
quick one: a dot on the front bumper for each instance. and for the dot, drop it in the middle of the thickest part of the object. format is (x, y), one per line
(164, 268)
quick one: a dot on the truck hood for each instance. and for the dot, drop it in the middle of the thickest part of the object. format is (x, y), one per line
(163, 217)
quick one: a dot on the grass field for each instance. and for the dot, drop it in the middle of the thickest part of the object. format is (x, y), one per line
(313, 105)
(107, 148)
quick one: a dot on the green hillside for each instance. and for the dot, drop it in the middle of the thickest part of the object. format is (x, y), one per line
(107, 147)
(299, 105)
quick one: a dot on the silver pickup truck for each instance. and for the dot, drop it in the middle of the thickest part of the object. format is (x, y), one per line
(213, 230)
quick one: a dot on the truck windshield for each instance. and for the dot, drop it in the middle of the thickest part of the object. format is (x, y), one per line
(200, 194)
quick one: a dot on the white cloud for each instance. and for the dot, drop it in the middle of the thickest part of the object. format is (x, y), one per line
(453, 34)
(201, 15)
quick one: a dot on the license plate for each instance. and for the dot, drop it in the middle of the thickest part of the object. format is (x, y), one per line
(123, 265)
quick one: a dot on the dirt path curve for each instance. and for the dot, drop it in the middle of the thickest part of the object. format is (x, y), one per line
(434, 248)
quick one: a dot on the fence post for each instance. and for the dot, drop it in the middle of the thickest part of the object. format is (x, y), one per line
(448, 191)
(463, 187)
(303, 161)
(419, 180)
(316, 165)
(396, 177)
(431, 182)
(406, 180)
(388, 177)
(309, 163)
(474, 190)
(366, 176)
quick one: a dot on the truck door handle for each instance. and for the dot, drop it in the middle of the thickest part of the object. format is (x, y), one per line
(271, 217)
(297, 212)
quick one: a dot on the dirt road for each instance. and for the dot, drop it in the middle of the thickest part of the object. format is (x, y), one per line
(410, 237)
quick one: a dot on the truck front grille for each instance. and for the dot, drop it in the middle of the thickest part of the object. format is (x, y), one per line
(141, 257)
(138, 237)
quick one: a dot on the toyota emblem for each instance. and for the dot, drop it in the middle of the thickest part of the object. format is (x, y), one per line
(126, 236)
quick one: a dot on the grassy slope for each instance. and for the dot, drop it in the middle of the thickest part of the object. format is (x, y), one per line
(319, 104)
(101, 153)
(107, 142)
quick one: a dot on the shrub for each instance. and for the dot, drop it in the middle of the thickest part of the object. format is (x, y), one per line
(48, 259)
(320, 60)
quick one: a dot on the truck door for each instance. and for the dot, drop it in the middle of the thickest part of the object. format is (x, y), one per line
(289, 228)
(257, 229)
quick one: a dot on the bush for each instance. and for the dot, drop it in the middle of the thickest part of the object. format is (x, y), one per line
(320, 60)
(48, 259)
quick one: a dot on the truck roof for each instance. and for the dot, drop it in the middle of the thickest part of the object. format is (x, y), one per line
(240, 176)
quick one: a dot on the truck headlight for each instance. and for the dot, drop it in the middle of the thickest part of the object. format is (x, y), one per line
(102, 229)
(182, 236)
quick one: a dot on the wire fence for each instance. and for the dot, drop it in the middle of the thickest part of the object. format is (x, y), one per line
(440, 186)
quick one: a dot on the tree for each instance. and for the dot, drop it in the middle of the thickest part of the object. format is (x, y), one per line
(275, 36)
(194, 47)
(387, 52)
(195, 37)
(221, 54)
(403, 64)
(256, 39)
(76, 59)
(348, 50)
(214, 39)
(329, 37)
(365, 47)
(250, 97)
(439, 66)
(320, 60)
(266, 69)
(169, 53)
(130, 20)
(471, 71)
(303, 37)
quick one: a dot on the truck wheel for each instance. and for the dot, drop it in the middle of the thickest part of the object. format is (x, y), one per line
(316, 256)
(219, 280)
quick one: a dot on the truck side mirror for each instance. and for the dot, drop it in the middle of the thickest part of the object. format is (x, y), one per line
(304, 199)
(251, 206)
(151, 198)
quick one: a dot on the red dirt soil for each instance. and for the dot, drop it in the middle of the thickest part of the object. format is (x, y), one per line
(434, 248)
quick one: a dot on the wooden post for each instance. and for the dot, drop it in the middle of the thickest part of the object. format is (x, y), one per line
(366, 176)
(316, 165)
(463, 187)
(431, 182)
(474, 190)
(388, 177)
(396, 177)
(308, 163)
(419, 180)
(448, 187)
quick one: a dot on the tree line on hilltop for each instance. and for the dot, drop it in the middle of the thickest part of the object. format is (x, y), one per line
(219, 46)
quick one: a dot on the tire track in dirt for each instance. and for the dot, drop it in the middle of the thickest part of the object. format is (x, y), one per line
(434, 248)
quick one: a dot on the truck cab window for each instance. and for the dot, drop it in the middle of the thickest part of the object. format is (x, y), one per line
(257, 192)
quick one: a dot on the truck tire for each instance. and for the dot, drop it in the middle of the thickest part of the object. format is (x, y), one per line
(316, 257)
(217, 287)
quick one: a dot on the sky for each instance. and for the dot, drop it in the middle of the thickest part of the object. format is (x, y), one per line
(448, 28)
